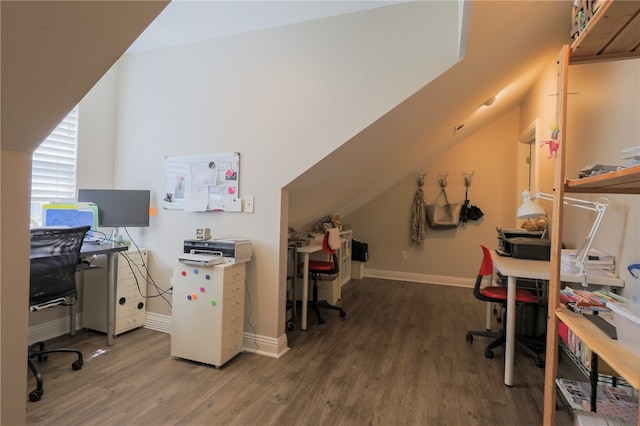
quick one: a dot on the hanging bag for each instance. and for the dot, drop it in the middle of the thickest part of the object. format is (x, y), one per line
(443, 216)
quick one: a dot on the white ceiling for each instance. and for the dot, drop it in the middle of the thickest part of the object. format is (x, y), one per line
(188, 21)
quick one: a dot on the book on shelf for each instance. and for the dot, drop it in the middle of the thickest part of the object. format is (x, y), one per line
(615, 402)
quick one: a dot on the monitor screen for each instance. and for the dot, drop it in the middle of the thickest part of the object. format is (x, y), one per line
(119, 207)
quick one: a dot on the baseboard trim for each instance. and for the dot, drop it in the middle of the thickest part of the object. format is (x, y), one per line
(264, 345)
(51, 329)
(251, 342)
(158, 322)
(420, 278)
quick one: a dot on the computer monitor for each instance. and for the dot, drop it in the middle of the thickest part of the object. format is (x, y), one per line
(119, 207)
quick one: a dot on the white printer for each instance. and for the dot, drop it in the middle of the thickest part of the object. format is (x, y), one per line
(233, 250)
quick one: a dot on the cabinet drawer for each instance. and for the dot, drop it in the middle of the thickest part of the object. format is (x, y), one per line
(130, 309)
(235, 273)
(233, 289)
(131, 322)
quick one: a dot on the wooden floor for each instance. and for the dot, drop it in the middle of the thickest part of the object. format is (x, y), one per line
(398, 358)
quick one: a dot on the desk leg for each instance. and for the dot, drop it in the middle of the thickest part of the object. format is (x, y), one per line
(73, 310)
(511, 337)
(305, 290)
(112, 278)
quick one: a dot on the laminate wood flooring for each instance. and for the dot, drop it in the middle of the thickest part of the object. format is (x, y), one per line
(398, 358)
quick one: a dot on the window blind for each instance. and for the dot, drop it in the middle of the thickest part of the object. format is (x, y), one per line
(54, 163)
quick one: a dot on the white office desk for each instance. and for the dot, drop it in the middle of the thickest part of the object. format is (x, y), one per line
(533, 269)
(306, 251)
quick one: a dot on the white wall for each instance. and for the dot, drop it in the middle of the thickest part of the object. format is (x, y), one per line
(449, 256)
(602, 121)
(282, 98)
(603, 113)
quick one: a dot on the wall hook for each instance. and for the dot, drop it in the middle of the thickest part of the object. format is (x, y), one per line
(468, 177)
(420, 178)
(442, 180)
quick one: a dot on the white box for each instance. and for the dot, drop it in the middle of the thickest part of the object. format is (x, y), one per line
(626, 318)
(327, 290)
(357, 270)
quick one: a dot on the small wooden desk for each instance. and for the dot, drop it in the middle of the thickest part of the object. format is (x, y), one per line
(533, 269)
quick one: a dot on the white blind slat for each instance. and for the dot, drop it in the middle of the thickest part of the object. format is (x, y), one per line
(54, 163)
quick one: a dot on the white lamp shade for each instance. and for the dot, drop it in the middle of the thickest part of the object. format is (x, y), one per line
(529, 209)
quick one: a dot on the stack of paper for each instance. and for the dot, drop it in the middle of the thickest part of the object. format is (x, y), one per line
(597, 263)
(632, 155)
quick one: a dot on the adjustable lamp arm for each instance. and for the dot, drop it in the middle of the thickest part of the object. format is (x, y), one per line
(599, 206)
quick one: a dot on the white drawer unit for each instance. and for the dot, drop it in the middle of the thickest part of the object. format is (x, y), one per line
(131, 294)
(208, 312)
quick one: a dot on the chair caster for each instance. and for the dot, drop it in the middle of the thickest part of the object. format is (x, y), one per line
(42, 358)
(469, 338)
(35, 395)
(77, 365)
(290, 325)
(488, 353)
(539, 363)
(343, 314)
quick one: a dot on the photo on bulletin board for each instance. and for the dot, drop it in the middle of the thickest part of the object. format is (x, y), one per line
(202, 183)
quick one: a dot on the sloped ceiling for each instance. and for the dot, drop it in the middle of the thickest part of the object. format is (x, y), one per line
(53, 52)
(508, 45)
(189, 21)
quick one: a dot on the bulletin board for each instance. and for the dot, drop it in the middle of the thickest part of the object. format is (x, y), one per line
(202, 183)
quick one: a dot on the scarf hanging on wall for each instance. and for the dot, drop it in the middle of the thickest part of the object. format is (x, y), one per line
(418, 214)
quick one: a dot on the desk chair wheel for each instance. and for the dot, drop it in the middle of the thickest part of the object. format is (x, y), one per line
(343, 313)
(35, 395)
(488, 353)
(290, 325)
(469, 338)
(539, 363)
(77, 365)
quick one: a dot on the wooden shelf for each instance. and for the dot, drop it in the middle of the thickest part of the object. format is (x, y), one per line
(621, 359)
(611, 34)
(625, 181)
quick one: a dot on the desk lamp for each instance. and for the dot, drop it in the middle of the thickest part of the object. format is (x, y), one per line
(530, 210)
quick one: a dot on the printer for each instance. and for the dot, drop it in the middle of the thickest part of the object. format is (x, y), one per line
(522, 244)
(233, 250)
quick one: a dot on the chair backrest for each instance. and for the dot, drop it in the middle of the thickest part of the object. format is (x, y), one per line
(325, 244)
(327, 249)
(486, 269)
(55, 253)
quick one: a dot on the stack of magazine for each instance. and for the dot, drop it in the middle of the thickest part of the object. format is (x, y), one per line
(632, 155)
(597, 263)
(614, 402)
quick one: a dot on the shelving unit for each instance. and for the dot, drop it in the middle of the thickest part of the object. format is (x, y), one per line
(625, 181)
(612, 33)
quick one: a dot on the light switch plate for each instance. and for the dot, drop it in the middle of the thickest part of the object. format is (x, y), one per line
(248, 204)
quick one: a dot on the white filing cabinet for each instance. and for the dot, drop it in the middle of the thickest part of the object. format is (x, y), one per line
(208, 312)
(131, 291)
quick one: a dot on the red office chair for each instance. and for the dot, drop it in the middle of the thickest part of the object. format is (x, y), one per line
(498, 294)
(324, 267)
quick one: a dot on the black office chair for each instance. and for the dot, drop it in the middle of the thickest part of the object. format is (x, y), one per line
(55, 254)
(324, 267)
(498, 294)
